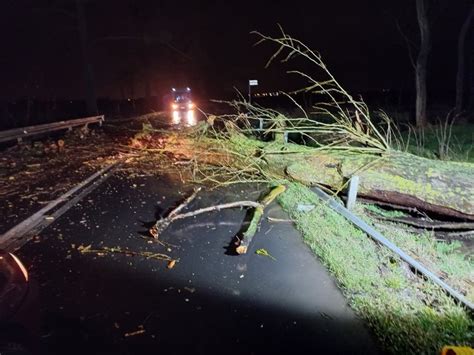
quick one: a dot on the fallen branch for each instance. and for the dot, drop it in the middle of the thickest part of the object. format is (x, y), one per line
(432, 225)
(282, 220)
(161, 225)
(107, 250)
(185, 203)
(256, 218)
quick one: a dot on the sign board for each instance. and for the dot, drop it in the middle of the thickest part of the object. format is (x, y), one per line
(253, 82)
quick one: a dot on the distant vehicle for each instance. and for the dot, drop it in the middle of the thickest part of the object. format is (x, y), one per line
(18, 311)
(182, 107)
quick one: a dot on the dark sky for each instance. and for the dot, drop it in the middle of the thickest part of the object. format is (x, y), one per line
(207, 45)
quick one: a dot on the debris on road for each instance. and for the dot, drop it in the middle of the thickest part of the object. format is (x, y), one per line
(264, 252)
(108, 250)
(161, 224)
(256, 218)
(141, 330)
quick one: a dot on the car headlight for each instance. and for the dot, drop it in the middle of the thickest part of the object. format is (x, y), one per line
(174, 106)
(191, 118)
(176, 117)
(190, 106)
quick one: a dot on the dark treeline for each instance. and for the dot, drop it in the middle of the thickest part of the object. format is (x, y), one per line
(24, 112)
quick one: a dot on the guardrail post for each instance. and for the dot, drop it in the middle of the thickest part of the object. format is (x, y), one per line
(352, 193)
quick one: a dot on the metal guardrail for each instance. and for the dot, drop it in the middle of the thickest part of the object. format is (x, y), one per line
(380, 238)
(19, 133)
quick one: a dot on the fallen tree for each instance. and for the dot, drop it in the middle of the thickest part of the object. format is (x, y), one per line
(342, 140)
(440, 187)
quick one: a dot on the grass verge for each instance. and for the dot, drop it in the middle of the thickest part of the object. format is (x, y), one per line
(434, 143)
(407, 313)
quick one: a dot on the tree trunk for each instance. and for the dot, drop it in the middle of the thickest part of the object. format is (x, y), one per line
(422, 63)
(441, 187)
(91, 99)
(460, 80)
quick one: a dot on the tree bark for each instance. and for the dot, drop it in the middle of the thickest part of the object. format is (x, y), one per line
(460, 80)
(422, 63)
(91, 99)
(440, 187)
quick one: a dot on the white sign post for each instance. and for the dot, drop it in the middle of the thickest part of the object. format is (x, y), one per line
(252, 83)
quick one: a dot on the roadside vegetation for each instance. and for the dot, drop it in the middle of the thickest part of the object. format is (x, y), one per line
(445, 141)
(408, 314)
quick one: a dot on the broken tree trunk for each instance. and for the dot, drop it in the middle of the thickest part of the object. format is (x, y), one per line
(441, 187)
(444, 188)
(256, 218)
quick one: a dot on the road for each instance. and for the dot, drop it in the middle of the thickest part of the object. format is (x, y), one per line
(211, 302)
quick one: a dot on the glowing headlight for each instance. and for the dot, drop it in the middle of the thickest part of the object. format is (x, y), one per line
(176, 117)
(190, 106)
(174, 106)
(191, 118)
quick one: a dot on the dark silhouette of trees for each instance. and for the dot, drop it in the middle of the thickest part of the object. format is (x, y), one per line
(91, 98)
(421, 65)
(460, 77)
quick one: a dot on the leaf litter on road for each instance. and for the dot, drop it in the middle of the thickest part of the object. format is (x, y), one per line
(264, 252)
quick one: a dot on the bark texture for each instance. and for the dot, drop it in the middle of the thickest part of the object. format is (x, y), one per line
(442, 187)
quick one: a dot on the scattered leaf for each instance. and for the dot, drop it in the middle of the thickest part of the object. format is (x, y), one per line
(264, 252)
(154, 232)
(84, 249)
(131, 334)
(171, 264)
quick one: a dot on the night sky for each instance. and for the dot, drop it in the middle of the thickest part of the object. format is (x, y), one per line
(207, 45)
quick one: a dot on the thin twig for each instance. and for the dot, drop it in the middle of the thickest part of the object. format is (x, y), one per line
(164, 223)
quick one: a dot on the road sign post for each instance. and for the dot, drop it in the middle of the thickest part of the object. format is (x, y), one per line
(252, 83)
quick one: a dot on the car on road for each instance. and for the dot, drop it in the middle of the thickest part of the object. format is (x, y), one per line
(182, 107)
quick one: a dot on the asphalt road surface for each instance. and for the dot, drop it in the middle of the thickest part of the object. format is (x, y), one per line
(211, 302)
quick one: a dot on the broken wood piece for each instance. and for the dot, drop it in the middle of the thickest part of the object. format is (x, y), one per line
(137, 332)
(256, 218)
(107, 250)
(426, 224)
(162, 224)
(282, 220)
(154, 230)
(185, 203)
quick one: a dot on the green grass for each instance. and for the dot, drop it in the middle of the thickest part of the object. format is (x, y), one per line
(385, 213)
(461, 143)
(407, 313)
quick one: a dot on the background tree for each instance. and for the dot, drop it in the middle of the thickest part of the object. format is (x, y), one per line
(421, 65)
(91, 98)
(460, 77)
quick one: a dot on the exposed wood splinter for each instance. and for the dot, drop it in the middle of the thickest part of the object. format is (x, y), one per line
(256, 218)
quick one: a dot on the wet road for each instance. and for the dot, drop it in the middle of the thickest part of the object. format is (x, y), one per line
(210, 302)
